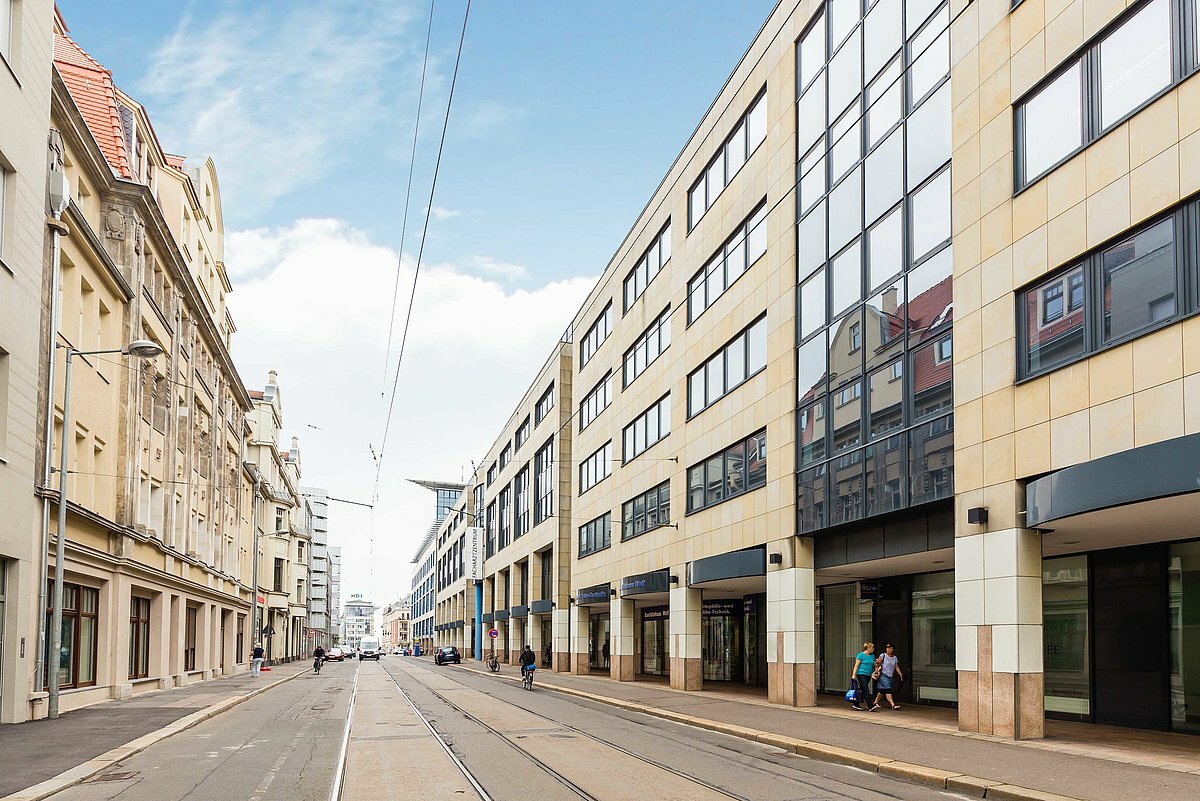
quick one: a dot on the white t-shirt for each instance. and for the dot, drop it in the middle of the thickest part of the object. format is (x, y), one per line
(889, 665)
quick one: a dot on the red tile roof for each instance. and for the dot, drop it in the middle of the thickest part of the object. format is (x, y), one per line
(91, 87)
(255, 394)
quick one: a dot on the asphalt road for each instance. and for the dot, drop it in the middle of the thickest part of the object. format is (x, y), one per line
(541, 745)
(420, 731)
(283, 744)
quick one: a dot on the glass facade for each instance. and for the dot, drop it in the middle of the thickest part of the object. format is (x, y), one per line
(874, 291)
(1183, 592)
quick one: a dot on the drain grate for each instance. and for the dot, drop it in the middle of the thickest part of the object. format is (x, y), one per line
(111, 777)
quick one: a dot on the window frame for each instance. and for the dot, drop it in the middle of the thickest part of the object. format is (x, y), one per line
(1185, 60)
(522, 434)
(655, 244)
(588, 349)
(656, 408)
(603, 387)
(656, 328)
(544, 405)
(629, 522)
(599, 464)
(726, 495)
(742, 126)
(742, 232)
(744, 336)
(592, 527)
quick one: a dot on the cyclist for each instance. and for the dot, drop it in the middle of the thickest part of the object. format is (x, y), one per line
(318, 658)
(528, 660)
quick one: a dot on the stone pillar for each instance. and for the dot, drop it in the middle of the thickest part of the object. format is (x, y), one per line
(791, 624)
(160, 639)
(685, 644)
(562, 642)
(118, 658)
(580, 620)
(998, 614)
(622, 620)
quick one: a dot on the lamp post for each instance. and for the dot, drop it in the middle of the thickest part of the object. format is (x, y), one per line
(140, 349)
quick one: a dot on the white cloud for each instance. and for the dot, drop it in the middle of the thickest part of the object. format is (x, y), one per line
(500, 269)
(278, 95)
(312, 300)
(440, 213)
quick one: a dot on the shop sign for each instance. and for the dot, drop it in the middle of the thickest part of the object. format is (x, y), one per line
(656, 581)
(474, 555)
(749, 607)
(598, 594)
(656, 613)
(722, 608)
(868, 590)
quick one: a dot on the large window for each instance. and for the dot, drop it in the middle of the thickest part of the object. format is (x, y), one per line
(1115, 293)
(506, 455)
(595, 468)
(1129, 64)
(595, 335)
(648, 266)
(648, 347)
(728, 368)
(543, 488)
(77, 656)
(735, 151)
(191, 616)
(738, 469)
(646, 512)
(544, 405)
(489, 527)
(739, 253)
(522, 435)
(595, 535)
(139, 637)
(505, 515)
(595, 402)
(650, 427)
(521, 501)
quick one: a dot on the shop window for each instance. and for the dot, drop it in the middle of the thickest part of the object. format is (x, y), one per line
(1183, 584)
(934, 674)
(1066, 654)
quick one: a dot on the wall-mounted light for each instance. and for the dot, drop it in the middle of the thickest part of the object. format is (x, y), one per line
(977, 515)
(776, 559)
(674, 579)
(612, 593)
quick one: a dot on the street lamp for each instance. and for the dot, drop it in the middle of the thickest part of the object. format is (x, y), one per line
(140, 349)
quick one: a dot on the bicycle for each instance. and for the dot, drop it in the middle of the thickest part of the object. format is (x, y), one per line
(317, 665)
(492, 661)
(527, 679)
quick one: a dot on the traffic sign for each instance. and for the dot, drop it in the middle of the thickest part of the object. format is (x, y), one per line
(493, 634)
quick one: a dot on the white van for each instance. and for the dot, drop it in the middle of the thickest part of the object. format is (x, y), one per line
(368, 648)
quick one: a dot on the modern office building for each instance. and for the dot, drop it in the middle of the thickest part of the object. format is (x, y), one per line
(335, 593)
(903, 348)
(358, 621)
(320, 624)
(423, 594)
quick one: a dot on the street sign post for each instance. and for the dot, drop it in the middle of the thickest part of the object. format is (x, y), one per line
(493, 634)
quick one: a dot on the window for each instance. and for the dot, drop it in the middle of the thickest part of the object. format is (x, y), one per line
(646, 512)
(1117, 292)
(489, 528)
(728, 368)
(648, 347)
(522, 435)
(944, 350)
(506, 456)
(190, 631)
(521, 498)
(733, 472)
(648, 266)
(544, 405)
(277, 576)
(300, 552)
(4, 9)
(77, 659)
(595, 335)
(747, 135)
(739, 253)
(505, 517)
(650, 427)
(240, 640)
(595, 468)
(279, 520)
(1128, 66)
(491, 474)
(596, 401)
(595, 535)
(543, 488)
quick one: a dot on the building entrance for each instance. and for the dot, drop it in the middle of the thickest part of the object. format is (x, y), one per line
(598, 647)
(733, 634)
(656, 633)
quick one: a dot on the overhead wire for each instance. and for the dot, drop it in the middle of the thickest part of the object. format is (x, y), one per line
(420, 256)
(408, 196)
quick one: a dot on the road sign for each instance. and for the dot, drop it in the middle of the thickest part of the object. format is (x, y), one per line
(493, 634)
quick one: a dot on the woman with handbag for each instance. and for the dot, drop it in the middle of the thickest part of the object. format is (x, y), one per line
(889, 676)
(864, 671)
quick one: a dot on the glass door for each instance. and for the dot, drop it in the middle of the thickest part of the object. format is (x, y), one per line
(846, 623)
(654, 641)
(722, 644)
(1183, 576)
(1066, 658)
(598, 653)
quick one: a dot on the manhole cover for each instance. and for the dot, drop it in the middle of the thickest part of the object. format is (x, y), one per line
(111, 777)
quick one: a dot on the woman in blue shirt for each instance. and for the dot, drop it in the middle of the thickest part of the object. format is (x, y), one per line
(864, 668)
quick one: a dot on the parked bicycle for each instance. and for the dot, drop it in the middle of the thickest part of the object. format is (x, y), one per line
(492, 661)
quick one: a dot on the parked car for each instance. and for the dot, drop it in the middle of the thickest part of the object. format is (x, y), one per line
(335, 654)
(447, 654)
(397, 652)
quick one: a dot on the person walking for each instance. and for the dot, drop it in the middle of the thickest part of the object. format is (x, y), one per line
(889, 672)
(256, 659)
(546, 657)
(864, 669)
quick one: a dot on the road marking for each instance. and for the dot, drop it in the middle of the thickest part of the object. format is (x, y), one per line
(335, 792)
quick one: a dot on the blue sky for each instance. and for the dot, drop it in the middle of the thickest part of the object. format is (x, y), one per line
(566, 117)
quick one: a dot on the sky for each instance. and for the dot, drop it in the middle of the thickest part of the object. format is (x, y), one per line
(565, 118)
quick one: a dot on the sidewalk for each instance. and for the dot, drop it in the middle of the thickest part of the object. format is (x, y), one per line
(1085, 761)
(39, 750)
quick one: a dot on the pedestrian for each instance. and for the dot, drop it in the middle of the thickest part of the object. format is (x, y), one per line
(546, 656)
(864, 669)
(604, 651)
(256, 659)
(889, 672)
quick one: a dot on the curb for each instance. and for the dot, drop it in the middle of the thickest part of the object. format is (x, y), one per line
(918, 774)
(77, 774)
